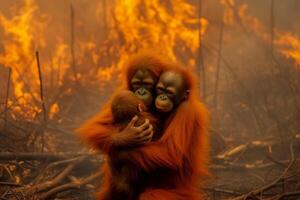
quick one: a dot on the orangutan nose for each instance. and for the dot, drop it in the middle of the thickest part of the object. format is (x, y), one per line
(163, 97)
(141, 91)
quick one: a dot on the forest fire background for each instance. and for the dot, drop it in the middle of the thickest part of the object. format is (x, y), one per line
(60, 60)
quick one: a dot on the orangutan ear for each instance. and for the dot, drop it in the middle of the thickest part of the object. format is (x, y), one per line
(186, 94)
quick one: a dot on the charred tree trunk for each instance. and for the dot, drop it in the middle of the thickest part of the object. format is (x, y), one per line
(218, 64)
(73, 62)
(200, 61)
(42, 97)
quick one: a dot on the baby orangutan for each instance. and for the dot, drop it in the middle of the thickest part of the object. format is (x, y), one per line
(126, 177)
(125, 106)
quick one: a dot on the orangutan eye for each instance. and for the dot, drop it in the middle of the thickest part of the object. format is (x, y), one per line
(159, 89)
(136, 82)
(148, 84)
(171, 92)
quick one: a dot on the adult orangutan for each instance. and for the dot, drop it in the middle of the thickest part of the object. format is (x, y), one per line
(103, 133)
(179, 157)
(168, 167)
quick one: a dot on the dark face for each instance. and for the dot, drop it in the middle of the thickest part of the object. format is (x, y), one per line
(170, 91)
(142, 84)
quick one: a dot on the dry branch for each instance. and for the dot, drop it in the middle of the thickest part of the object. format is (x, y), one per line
(274, 183)
(73, 63)
(10, 184)
(272, 26)
(57, 179)
(42, 97)
(40, 156)
(220, 190)
(218, 63)
(243, 147)
(41, 87)
(6, 98)
(200, 60)
(288, 194)
(231, 166)
(68, 186)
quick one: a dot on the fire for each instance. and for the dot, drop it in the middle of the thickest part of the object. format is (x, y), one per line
(23, 35)
(238, 15)
(19, 56)
(228, 16)
(53, 110)
(286, 43)
(151, 24)
(171, 28)
(59, 63)
(289, 46)
(144, 24)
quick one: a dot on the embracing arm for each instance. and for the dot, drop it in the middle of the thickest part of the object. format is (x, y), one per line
(97, 131)
(153, 155)
(183, 141)
(101, 133)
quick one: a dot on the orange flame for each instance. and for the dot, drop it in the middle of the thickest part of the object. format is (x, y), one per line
(19, 55)
(171, 28)
(289, 46)
(286, 43)
(153, 25)
(23, 34)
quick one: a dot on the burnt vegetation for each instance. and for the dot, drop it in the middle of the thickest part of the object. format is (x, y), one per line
(59, 62)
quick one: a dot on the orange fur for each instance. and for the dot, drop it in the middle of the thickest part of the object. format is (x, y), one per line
(174, 161)
(183, 148)
(97, 130)
(170, 194)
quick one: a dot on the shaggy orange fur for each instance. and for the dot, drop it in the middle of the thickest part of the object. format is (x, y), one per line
(174, 162)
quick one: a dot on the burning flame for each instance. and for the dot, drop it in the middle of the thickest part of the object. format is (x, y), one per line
(144, 24)
(286, 43)
(19, 55)
(23, 34)
(171, 28)
(238, 15)
(289, 46)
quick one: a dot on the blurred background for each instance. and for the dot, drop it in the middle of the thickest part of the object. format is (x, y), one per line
(60, 61)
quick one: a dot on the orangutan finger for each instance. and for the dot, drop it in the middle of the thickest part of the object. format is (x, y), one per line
(133, 121)
(147, 132)
(144, 126)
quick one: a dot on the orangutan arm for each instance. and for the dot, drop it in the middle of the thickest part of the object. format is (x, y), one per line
(104, 136)
(97, 133)
(183, 141)
(153, 155)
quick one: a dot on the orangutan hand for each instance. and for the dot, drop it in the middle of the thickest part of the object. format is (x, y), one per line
(132, 135)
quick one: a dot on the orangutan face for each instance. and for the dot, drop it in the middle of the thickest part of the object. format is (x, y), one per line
(170, 91)
(143, 84)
